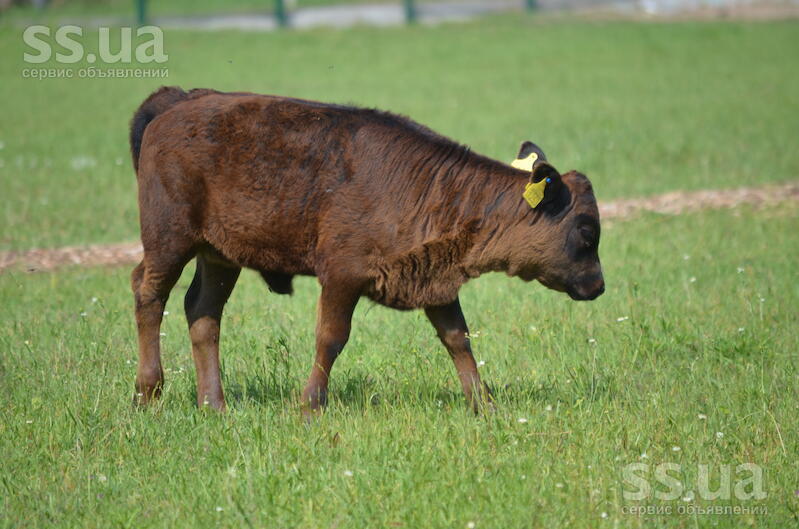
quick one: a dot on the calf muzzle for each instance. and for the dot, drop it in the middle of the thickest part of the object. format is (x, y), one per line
(588, 290)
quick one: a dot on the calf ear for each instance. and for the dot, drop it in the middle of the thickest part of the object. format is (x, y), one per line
(556, 193)
(527, 148)
(542, 170)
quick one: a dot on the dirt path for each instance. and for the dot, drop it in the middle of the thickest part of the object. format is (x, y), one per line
(673, 203)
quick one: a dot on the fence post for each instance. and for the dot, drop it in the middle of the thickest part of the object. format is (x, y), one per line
(141, 12)
(280, 14)
(410, 11)
(531, 5)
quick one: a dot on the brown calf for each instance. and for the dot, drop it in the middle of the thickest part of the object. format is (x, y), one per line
(371, 203)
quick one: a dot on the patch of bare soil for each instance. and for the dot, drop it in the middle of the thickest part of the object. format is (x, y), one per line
(673, 203)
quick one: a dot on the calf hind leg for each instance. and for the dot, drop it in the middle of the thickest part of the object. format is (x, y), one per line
(151, 282)
(209, 291)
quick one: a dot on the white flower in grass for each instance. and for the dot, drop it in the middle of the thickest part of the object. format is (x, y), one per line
(675, 448)
(166, 313)
(94, 299)
(719, 435)
(604, 515)
(29, 421)
(348, 473)
(101, 478)
(83, 314)
(622, 318)
(521, 420)
(741, 329)
(644, 456)
(162, 333)
(558, 485)
(701, 417)
(685, 257)
(481, 363)
(741, 270)
(548, 407)
(592, 341)
(692, 279)
(470, 525)
(219, 509)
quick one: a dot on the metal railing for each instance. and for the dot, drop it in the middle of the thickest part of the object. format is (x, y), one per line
(410, 10)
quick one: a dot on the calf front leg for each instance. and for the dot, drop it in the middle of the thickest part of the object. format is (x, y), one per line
(451, 327)
(333, 321)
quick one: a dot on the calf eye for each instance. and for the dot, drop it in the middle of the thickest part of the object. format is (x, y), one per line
(589, 236)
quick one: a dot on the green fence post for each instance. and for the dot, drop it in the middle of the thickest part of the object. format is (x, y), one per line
(410, 11)
(531, 5)
(141, 12)
(280, 14)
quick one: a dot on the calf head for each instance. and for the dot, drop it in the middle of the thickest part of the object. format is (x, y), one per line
(559, 245)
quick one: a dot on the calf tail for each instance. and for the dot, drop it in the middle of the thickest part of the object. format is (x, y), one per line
(159, 101)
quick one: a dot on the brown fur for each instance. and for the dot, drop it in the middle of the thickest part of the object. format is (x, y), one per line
(371, 203)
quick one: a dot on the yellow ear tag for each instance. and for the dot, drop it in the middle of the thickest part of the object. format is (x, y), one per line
(533, 192)
(525, 164)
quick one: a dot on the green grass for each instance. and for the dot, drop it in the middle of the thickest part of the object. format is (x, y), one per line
(642, 108)
(76, 454)
(708, 346)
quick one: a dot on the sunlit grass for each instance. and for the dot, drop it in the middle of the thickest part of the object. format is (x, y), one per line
(662, 368)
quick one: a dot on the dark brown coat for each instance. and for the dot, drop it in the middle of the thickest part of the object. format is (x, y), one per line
(371, 203)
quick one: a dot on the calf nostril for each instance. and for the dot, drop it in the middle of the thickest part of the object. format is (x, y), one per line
(600, 287)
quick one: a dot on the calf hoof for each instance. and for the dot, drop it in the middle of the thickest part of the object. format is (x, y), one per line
(482, 402)
(146, 394)
(310, 415)
(313, 404)
(207, 402)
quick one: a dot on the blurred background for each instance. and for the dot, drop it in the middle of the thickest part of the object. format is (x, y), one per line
(645, 96)
(304, 13)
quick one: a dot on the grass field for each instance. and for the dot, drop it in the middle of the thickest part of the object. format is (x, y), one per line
(722, 346)
(640, 108)
(689, 358)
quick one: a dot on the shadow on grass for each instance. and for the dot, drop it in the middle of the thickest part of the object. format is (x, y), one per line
(274, 385)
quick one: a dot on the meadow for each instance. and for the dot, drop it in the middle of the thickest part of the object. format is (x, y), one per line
(689, 358)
